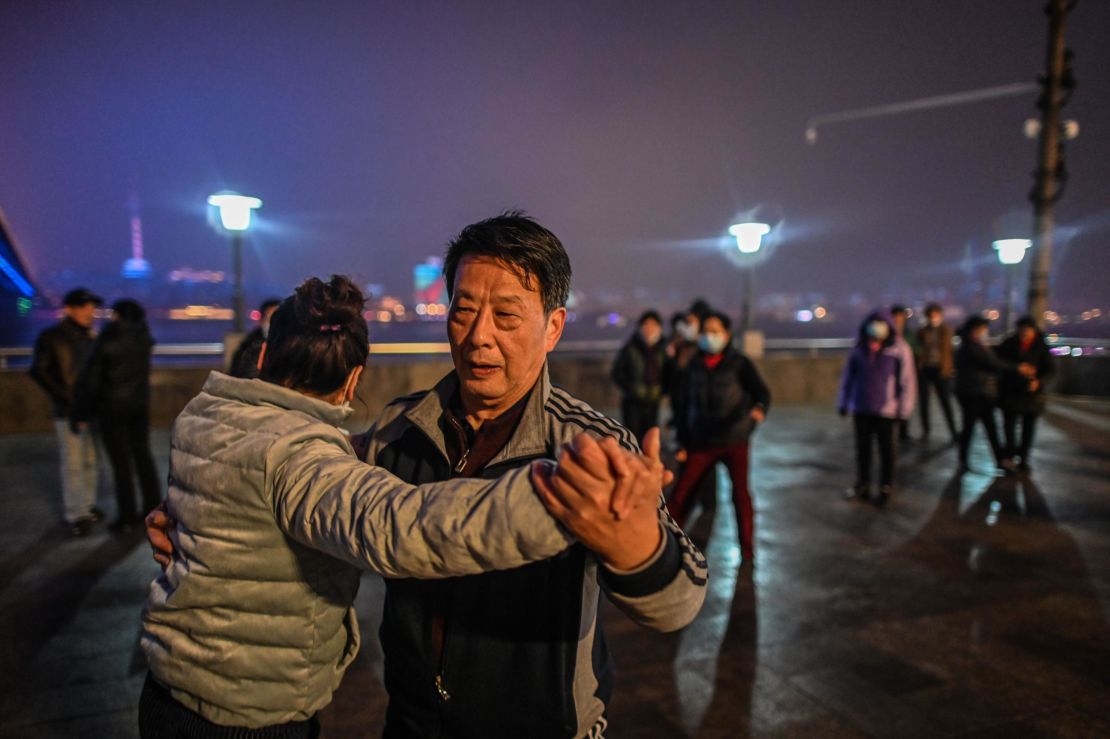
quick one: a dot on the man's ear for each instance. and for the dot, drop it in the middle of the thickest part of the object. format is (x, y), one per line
(261, 356)
(556, 322)
(352, 384)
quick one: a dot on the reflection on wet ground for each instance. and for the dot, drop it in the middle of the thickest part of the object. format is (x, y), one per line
(973, 605)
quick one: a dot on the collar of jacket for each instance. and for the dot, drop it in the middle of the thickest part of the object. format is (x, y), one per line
(260, 392)
(528, 441)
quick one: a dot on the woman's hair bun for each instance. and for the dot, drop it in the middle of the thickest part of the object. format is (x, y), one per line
(336, 302)
(317, 336)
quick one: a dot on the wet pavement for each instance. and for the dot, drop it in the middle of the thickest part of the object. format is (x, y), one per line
(970, 606)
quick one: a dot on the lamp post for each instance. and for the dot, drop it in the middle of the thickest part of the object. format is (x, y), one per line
(749, 237)
(1010, 254)
(235, 219)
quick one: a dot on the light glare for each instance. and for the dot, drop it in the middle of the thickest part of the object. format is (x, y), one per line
(1012, 251)
(749, 235)
(235, 209)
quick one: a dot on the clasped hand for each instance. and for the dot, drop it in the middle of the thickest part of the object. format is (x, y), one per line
(607, 497)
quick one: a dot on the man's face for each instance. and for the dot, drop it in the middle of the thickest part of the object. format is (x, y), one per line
(82, 315)
(1026, 334)
(651, 331)
(499, 333)
(899, 321)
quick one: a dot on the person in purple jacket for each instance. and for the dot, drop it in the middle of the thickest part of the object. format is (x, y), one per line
(878, 388)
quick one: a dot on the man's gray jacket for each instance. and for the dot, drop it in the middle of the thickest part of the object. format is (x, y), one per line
(251, 624)
(517, 652)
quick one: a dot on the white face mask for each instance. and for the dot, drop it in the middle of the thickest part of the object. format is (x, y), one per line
(878, 330)
(686, 331)
(713, 343)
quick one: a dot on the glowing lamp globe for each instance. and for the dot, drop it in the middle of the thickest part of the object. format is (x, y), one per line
(235, 209)
(1012, 251)
(749, 235)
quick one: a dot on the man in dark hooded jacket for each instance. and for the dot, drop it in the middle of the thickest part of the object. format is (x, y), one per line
(1023, 399)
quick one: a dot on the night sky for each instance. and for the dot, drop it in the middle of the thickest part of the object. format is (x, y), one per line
(637, 131)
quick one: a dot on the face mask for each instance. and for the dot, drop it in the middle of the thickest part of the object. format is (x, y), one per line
(686, 332)
(878, 330)
(712, 343)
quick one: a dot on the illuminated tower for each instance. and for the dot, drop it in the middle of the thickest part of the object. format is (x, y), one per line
(136, 268)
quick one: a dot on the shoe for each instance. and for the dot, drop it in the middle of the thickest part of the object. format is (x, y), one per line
(884, 495)
(80, 527)
(1007, 466)
(858, 492)
(96, 514)
(1024, 467)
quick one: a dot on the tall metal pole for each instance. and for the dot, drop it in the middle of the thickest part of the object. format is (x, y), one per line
(749, 299)
(1056, 85)
(1009, 305)
(237, 295)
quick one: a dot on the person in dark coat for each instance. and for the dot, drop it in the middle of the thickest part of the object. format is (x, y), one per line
(977, 376)
(1023, 399)
(878, 388)
(721, 400)
(935, 367)
(244, 362)
(640, 372)
(114, 390)
(60, 352)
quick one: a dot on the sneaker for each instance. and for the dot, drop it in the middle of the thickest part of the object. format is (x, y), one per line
(1007, 466)
(884, 495)
(1023, 466)
(96, 514)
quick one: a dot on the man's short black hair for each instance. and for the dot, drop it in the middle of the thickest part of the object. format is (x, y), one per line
(932, 308)
(899, 310)
(268, 304)
(649, 315)
(974, 324)
(1026, 322)
(518, 240)
(723, 318)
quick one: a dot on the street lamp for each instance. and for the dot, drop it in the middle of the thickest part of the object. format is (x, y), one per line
(749, 237)
(1010, 254)
(235, 218)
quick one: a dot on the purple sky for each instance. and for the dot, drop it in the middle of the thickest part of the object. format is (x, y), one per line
(635, 130)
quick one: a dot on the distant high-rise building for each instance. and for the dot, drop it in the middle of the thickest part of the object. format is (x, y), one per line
(137, 267)
(428, 285)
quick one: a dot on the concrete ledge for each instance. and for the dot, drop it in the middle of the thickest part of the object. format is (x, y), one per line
(793, 379)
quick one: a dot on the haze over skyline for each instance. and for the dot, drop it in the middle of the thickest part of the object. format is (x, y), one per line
(637, 131)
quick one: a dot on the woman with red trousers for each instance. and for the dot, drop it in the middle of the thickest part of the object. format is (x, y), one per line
(720, 400)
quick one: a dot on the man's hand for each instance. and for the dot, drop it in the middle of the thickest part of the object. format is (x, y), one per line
(758, 415)
(1027, 370)
(607, 497)
(158, 522)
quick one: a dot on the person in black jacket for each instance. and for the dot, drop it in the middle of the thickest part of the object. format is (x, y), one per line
(1023, 399)
(640, 371)
(59, 353)
(114, 389)
(244, 362)
(721, 400)
(977, 376)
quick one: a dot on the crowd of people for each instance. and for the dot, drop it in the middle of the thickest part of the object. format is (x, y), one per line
(484, 500)
(718, 398)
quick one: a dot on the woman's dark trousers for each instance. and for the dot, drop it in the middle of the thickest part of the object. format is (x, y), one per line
(127, 440)
(639, 417)
(871, 429)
